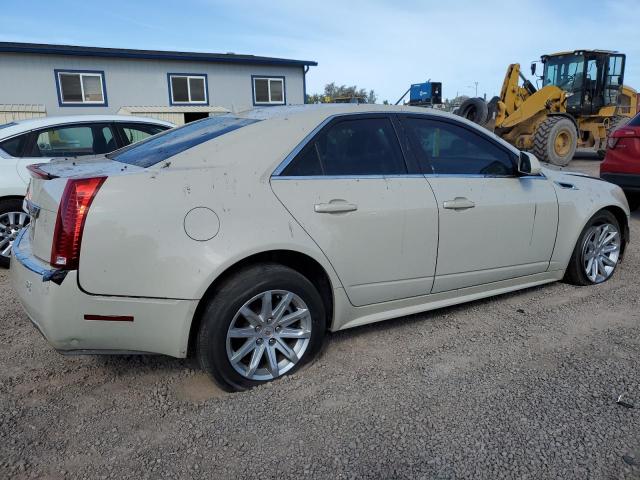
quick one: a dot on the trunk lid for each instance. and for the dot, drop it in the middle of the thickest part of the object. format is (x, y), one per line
(47, 187)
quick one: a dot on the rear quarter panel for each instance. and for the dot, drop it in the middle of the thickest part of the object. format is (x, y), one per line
(135, 243)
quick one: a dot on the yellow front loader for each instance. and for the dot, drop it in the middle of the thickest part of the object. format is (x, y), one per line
(582, 99)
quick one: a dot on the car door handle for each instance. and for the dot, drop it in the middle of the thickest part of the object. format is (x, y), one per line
(334, 207)
(458, 203)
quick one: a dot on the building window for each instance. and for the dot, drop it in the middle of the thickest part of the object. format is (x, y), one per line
(77, 88)
(186, 88)
(268, 91)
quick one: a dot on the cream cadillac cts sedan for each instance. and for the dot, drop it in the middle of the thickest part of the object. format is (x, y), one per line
(244, 238)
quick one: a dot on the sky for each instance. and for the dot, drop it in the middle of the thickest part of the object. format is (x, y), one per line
(384, 45)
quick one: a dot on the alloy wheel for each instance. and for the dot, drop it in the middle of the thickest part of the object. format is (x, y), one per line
(10, 225)
(601, 251)
(269, 335)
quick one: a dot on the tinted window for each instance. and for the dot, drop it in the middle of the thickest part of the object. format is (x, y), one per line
(14, 145)
(635, 121)
(133, 133)
(74, 141)
(351, 147)
(445, 148)
(171, 142)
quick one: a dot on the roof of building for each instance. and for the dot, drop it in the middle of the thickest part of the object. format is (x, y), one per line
(79, 51)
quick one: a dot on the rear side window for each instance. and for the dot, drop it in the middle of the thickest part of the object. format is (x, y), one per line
(74, 141)
(136, 132)
(448, 149)
(171, 142)
(351, 147)
(15, 145)
(635, 121)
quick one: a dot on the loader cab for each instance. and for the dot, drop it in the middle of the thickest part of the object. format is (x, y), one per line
(593, 78)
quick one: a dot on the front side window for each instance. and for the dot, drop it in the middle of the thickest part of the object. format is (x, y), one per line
(188, 89)
(81, 88)
(268, 91)
(445, 149)
(351, 147)
(73, 141)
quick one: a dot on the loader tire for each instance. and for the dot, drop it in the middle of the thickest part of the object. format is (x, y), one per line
(492, 107)
(474, 109)
(555, 141)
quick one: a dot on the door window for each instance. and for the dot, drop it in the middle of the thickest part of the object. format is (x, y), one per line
(14, 145)
(74, 141)
(133, 133)
(351, 147)
(445, 149)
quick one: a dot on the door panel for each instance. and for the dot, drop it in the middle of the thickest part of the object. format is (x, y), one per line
(381, 237)
(509, 232)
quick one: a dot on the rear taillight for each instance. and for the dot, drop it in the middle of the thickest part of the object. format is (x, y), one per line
(614, 139)
(72, 213)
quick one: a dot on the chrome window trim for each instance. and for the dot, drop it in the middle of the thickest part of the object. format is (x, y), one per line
(408, 175)
(346, 177)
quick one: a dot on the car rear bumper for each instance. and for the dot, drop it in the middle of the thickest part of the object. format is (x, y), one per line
(57, 307)
(627, 181)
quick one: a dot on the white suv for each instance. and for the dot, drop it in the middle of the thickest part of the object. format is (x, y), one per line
(39, 140)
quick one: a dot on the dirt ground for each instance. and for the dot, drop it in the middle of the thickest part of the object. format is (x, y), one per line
(518, 386)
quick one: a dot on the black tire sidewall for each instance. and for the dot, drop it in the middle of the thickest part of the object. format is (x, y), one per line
(233, 293)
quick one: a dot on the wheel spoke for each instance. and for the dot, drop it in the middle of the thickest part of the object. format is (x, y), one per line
(255, 360)
(250, 316)
(247, 332)
(266, 309)
(22, 219)
(601, 269)
(294, 333)
(282, 306)
(286, 350)
(272, 361)
(293, 317)
(609, 238)
(7, 251)
(243, 351)
(607, 261)
(594, 271)
(590, 265)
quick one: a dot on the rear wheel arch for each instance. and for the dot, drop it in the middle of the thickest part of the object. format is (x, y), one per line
(300, 262)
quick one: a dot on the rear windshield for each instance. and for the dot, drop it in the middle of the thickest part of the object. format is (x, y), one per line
(635, 121)
(171, 142)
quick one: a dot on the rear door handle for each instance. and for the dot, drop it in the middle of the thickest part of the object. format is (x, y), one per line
(458, 203)
(335, 207)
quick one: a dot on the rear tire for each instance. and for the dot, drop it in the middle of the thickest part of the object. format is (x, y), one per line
(12, 219)
(244, 341)
(474, 109)
(580, 270)
(555, 141)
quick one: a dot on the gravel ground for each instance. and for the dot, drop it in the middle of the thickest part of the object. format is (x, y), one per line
(522, 385)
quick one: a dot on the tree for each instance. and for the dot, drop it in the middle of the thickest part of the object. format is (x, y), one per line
(333, 91)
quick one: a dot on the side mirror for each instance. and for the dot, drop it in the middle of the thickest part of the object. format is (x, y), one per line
(528, 164)
(533, 68)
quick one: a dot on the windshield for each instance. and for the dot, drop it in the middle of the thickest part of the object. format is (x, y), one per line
(171, 142)
(565, 72)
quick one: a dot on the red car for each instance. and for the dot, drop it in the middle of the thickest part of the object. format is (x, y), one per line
(622, 161)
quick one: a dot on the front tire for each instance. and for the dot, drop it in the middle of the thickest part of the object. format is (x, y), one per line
(597, 252)
(263, 322)
(12, 220)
